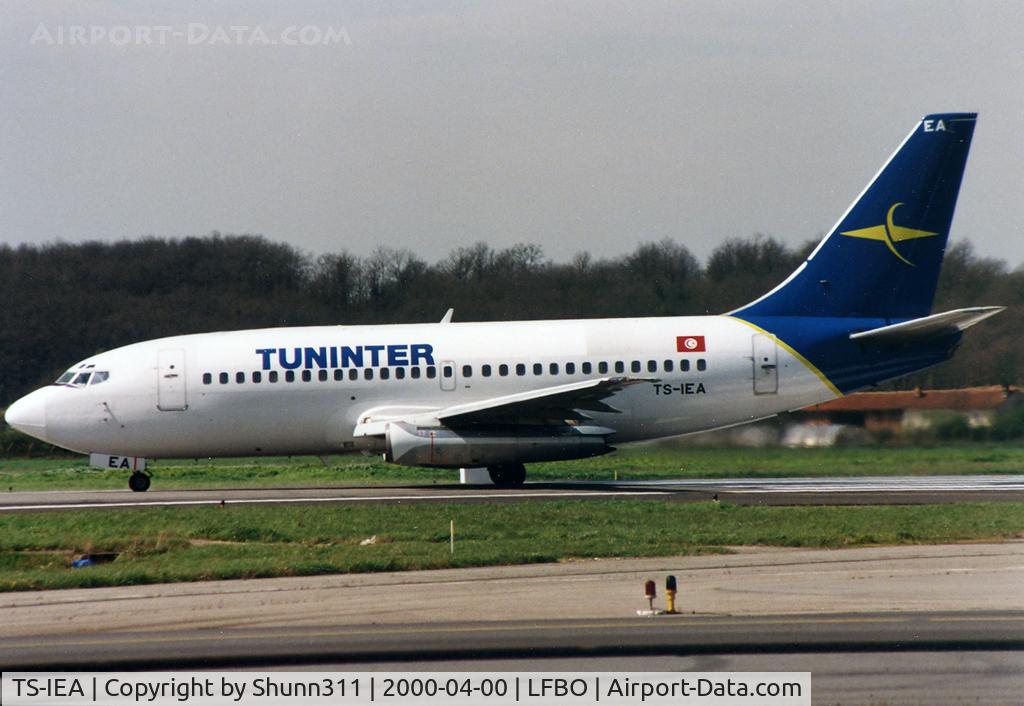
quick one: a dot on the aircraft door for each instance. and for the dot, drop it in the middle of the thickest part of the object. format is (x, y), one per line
(447, 375)
(766, 365)
(171, 381)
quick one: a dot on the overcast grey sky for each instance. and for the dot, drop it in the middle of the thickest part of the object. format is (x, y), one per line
(578, 126)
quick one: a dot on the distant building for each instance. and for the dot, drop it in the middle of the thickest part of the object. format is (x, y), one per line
(912, 409)
(858, 417)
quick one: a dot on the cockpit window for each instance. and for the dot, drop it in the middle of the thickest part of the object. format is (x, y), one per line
(81, 378)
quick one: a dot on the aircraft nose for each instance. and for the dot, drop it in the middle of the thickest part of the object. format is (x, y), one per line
(28, 415)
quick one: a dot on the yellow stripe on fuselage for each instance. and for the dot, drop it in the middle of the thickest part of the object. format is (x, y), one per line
(792, 351)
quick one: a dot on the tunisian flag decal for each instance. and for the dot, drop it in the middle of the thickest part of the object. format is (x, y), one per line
(690, 344)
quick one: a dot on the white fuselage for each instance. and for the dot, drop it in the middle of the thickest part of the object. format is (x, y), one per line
(196, 395)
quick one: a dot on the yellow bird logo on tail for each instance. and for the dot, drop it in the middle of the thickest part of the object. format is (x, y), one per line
(890, 233)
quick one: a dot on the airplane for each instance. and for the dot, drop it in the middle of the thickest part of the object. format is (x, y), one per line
(499, 395)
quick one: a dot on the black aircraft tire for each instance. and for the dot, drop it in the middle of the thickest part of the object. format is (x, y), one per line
(507, 475)
(139, 482)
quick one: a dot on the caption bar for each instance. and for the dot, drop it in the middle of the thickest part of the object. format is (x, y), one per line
(345, 688)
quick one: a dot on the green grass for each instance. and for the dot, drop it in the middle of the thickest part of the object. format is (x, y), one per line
(631, 463)
(75, 473)
(188, 544)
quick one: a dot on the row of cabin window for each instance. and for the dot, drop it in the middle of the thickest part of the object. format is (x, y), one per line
(587, 368)
(257, 376)
(486, 370)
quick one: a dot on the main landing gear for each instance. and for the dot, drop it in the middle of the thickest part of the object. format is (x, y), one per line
(507, 475)
(138, 481)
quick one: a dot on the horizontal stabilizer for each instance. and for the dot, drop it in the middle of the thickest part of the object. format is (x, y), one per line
(936, 325)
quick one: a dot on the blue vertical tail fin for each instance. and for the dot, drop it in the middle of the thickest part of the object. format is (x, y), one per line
(882, 259)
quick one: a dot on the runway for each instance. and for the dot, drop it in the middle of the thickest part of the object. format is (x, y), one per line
(768, 491)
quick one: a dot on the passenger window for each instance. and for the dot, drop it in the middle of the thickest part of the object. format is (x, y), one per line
(432, 372)
(503, 370)
(353, 374)
(553, 368)
(467, 371)
(223, 378)
(520, 369)
(289, 376)
(702, 364)
(239, 378)
(207, 378)
(538, 369)
(570, 368)
(257, 376)
(307, 376)
(272, 376)
(620, 367)
(635, 366)
(399, 373)
(368, 374)
(684, 365)
(652, 366)
(415, 372)
(448, 371)
(485, 370)
(669, 365)
(602, 368)
(322, 376)
(339, 374)
(99, 376)
(385, 373)
(587, 368)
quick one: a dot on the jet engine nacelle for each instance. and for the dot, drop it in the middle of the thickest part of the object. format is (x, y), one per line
(408, 445)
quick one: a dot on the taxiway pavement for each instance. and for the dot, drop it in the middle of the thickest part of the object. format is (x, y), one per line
(756, 600)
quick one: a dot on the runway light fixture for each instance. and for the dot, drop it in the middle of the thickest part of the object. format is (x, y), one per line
(670, 593)
(650, 593)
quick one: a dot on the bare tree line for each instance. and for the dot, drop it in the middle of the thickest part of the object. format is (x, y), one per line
(62, 302)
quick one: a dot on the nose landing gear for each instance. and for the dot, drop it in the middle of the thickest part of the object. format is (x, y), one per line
(138, 481)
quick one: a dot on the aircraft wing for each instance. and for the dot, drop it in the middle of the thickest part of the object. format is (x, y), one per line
(569, 401)
(560, 402)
